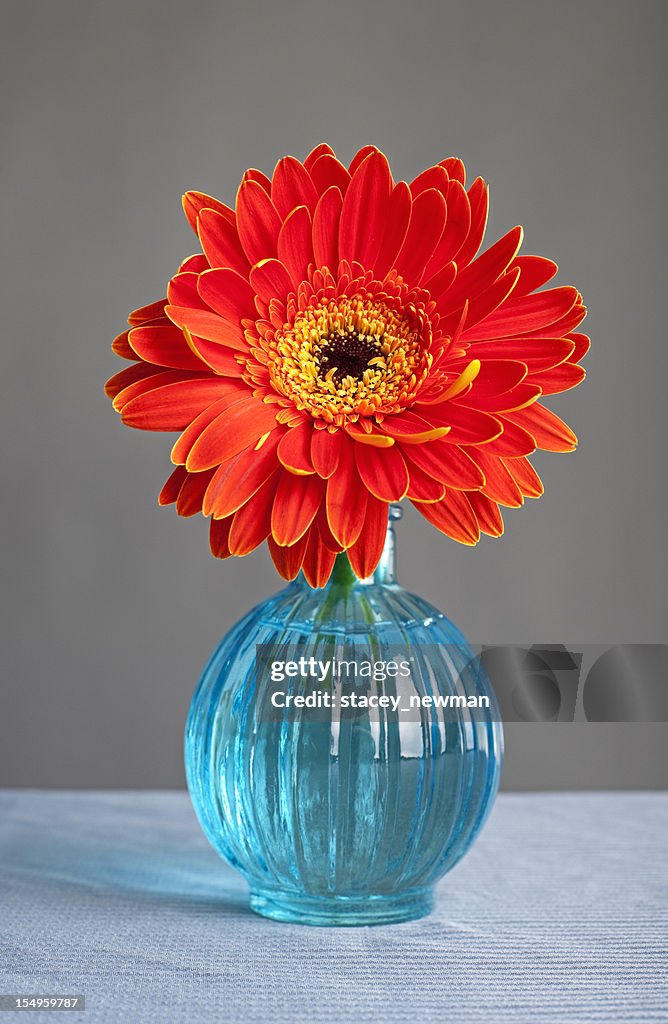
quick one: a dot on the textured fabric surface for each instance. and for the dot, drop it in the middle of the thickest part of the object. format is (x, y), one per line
(558, 914)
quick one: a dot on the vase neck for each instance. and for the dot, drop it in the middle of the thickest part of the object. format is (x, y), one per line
(385, 572)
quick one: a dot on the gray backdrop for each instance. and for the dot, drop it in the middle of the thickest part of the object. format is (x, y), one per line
(110, 111)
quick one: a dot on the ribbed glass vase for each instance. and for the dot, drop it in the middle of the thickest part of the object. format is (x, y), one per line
(343, 815)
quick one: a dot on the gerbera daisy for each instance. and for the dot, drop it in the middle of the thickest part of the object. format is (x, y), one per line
(339, 344)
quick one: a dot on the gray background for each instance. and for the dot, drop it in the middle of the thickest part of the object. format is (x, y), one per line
(110, 111)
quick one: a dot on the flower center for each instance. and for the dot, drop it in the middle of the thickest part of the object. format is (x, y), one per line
(348, 355)
(351, 356)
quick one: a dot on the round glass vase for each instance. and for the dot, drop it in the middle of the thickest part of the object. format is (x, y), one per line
(348, 812)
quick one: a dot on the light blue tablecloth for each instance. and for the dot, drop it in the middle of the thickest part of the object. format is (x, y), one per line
(558, 914)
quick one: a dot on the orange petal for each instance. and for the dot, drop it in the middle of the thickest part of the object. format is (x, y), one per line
(295, 244)
(535, 271)
(468, 426)
(228, 294)
(422, 486)
(325, 451)
(328, 171)
(296, 503)
(326, 221)
(538, 354)
(434, 177)
(346, 498)
(525, 476)
(208, 326)
(456, 230)
(184, 443)
(164, 346)
(559, 378)
(128, 376)
(396, 228)
(252, 523)
(365, 553)
(294, 451)
(549, 431)
(521, 316)
(270, 280)
(220, 241)
(318, 561)
(258, 222)
(172, 486)
(288, 560)
(454, 516)
(499, 485)
(514, 441)
(447, 463)
(238, 479)
(383, 473)
(121, 346)
(193, 202)
(291, 186)
(146, 313)
(364, 212)
(428, 216)
(478, 196)
(191, 495)
(219, 533)
(323, 149)
(483, 272)
(241, 424)
(173, 406)
(487, 512)
(455, 168)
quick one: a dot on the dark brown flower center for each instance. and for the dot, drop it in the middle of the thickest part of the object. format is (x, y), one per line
(347, 355)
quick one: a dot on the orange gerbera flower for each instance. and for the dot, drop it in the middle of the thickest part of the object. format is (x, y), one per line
(338, 345)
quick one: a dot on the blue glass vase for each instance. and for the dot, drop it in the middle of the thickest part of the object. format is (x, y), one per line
(343, 815)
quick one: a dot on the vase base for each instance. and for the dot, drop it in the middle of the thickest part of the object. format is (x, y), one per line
(346, 911)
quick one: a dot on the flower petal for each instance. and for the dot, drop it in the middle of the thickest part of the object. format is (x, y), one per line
(194, 202)
(499, 485)
(322, 149)
(487, 512)
(326, 451)
(457, 226)
(549, 431)
(295, 244)
(191, 495)
(165, 346)
(478, 195)
(241, 424)
(172, 486)
(172, 406)
(237, 480)
(258, 222)
(346, 498)
(270, 280)
(366, 552)
(383, 472)
(535, 271)
(483, 272)
(220, 241)
(428, 215)
(525, 476)
(219, 533)
(521, 316)
(288, 560)
(296, 503)
(294, 451)
(291, 186)
(364, 212)
(318, 561)
(453, 516)
(208, 326)
(328, 171)
(228, 294)
(559, 378)
(252, 523)
(396, 228)
(447, 463)
(326, 221)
